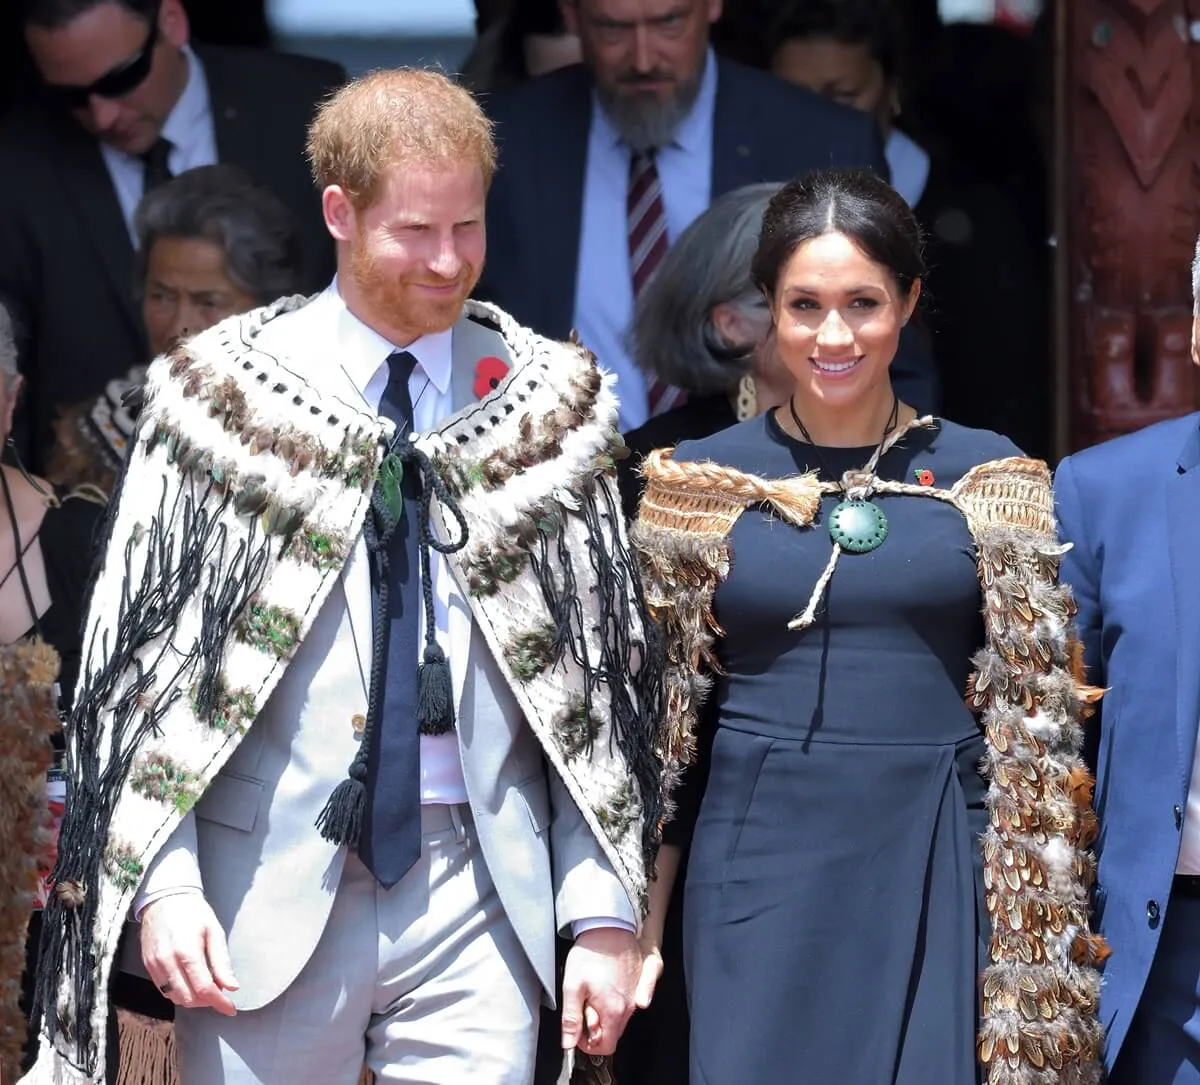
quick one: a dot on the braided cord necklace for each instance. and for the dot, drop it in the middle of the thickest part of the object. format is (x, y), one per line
(857, 524)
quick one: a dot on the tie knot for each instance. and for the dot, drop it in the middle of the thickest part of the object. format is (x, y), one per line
(400, 367)
(158, 150)
(156, 163)
(640, 161)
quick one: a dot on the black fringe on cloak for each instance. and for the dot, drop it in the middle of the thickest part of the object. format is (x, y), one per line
(187, 557)
(631, 671)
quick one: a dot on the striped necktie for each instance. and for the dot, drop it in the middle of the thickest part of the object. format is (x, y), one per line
(646, 221)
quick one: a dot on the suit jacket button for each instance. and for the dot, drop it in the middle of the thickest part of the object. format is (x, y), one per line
(359, 722)
(1152, 912)
(1178, 817)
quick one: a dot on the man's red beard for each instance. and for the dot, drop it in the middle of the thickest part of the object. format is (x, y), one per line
(399, 305)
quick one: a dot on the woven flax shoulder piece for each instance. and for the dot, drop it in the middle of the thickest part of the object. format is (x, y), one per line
(1041, 986)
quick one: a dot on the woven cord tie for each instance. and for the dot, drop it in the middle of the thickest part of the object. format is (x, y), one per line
(340, 822)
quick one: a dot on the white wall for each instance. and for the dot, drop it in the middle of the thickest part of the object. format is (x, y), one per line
(368, 18)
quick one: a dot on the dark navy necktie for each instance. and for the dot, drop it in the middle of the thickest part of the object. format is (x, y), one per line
(156, 166)
(390, 841)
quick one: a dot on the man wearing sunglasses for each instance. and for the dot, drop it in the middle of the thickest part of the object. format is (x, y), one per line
(126, 104)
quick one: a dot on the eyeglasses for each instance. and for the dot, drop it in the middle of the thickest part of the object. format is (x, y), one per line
(115, 83)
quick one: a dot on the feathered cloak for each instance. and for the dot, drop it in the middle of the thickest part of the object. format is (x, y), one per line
(244, 491)
(1041, 986)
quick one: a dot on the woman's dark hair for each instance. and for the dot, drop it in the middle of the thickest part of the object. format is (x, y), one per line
(875, 24)
(856, 203)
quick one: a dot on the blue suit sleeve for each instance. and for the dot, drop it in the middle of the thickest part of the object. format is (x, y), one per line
(1080, 567)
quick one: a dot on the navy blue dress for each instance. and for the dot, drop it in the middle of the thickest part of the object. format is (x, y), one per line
(834, 925)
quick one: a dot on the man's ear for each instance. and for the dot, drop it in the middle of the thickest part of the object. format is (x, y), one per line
(173, 23)
(341, 220)
(570, 14)
(1196, 340)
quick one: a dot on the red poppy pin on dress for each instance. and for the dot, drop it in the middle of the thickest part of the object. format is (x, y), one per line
(924, 476)
(489, 372)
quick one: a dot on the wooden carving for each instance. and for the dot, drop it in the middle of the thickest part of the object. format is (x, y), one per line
(1133, 104)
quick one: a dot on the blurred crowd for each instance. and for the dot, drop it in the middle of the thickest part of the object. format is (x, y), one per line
(153, 181)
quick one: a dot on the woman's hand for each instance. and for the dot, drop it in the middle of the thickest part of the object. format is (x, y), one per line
(652, 970)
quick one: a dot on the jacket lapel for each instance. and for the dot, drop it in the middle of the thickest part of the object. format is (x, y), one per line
(1183, 531)
(470, 343)
(91, 190)
(734, 158)
(236, 138)
(312, 338)
(560, 178)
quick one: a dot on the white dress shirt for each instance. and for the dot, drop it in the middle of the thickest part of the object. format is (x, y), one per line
(604, 277)
(364, 354)
(189, 128)
(1189, 841)
(908, 164)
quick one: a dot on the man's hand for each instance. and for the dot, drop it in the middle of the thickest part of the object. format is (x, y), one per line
(185, 952)
(600, 982)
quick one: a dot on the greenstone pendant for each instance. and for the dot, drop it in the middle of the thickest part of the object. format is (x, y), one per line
(391, 475)
(858, 526)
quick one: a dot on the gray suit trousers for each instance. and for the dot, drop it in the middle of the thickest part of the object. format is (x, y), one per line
(454, 996)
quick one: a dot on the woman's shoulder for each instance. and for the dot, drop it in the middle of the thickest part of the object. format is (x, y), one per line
(944, 453)
(954, 450)
(993, 481)
(979, 445)
(746, 446)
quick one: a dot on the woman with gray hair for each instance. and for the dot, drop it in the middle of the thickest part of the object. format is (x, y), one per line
(210, 244)
(701, 325)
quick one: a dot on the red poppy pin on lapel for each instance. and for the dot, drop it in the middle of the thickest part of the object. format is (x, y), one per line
(489, 372)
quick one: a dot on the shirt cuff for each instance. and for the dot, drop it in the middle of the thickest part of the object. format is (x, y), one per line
(580, 926)
(143, 900)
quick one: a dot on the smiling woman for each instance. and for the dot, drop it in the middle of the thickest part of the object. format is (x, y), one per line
(820, 572)
(211, 243)
(840, 262)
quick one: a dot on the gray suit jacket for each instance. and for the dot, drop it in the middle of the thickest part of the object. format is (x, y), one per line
(251, 844)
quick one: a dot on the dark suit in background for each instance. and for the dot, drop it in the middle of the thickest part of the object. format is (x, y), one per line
(763, 130)
(66, 261)
(1131, 509)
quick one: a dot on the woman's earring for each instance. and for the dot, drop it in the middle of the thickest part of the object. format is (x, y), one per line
(747, 399)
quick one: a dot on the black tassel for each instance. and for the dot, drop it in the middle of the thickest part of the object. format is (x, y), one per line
(341, 820)
(435, 693)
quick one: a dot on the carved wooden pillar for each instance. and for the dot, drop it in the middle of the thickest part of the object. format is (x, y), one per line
(1132, 121)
